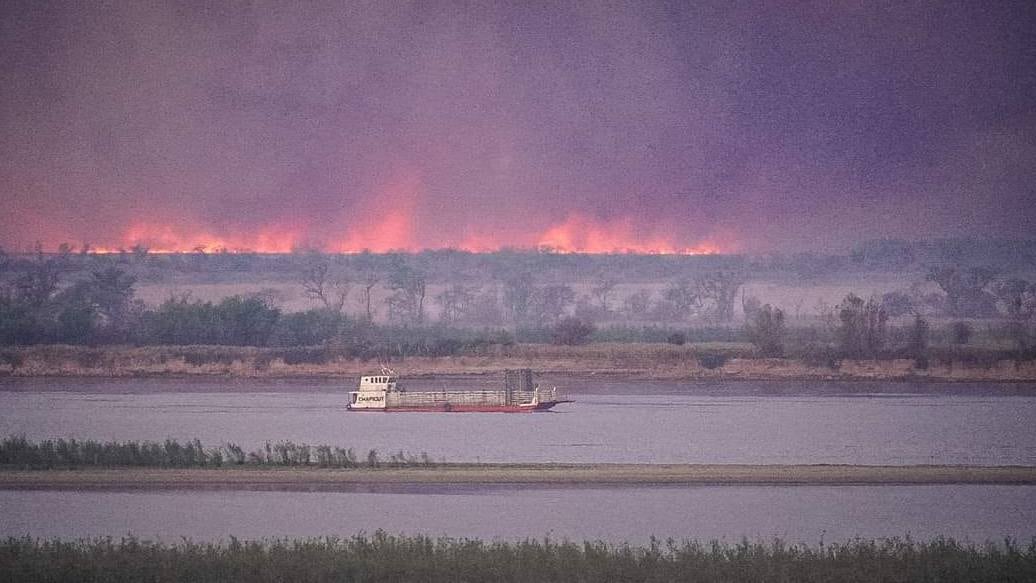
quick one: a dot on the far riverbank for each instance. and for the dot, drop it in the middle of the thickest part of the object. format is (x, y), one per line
(633, 361)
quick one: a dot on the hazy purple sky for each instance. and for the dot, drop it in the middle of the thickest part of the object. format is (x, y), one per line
(756, 126)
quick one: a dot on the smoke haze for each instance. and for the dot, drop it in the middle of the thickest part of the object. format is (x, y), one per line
(645, 126)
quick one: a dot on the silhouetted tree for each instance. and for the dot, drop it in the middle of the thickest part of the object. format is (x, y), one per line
(111, 292)
(179, 320)
(246, 321)
(484, 308)
(550, 303)
(370, 276)
(76, 322)
(39, 281)
(918, 347)
(720, 288)
(139, 252)
(638, 304)
(308, 328)
(320, 283)
(455, 302)
(571, 331)
(1016, 298)
(602, 290)
(750, 305)
(370, 281)
(765, 330)
(408, 285)
(863, 326)
(965, 290)
(677, 338)
(235, 320)
(960, 332)
(682, 297)
(518, 291)
(17, 323)
(897, 303)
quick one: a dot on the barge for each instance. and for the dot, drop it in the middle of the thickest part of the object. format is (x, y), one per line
(383, 392)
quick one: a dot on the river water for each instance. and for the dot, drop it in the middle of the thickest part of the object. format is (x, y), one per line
(611, 421)
(806, 514)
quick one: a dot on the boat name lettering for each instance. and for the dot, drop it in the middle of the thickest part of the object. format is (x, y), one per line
(367, 399)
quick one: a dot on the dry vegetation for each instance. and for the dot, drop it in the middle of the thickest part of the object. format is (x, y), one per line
(634, 360)
(383, 557)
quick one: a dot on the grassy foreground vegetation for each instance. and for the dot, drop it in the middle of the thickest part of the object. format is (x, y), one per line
(383, 557)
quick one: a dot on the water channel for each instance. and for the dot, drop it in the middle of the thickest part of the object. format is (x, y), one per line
(611, 421)
(806, 514)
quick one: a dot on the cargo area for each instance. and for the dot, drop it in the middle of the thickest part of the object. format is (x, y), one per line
(519, 393)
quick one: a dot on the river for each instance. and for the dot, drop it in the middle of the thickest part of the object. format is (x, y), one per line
(805, 514)
(610, 422)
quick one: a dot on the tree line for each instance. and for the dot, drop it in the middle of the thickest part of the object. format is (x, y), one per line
(38, 304)
(45, 300)
(859, 328)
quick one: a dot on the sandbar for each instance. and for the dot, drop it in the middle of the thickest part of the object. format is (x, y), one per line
(536, 475)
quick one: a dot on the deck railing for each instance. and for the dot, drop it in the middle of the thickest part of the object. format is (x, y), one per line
(441, 398)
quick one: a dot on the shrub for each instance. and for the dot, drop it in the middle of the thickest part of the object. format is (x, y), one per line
(817, 354)
(572, 331)
(11, 357)
(766, 331)
(961, 332)
(301, 355)
(712, 360)
(677, 338)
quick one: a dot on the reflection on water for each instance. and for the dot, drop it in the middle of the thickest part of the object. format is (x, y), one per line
(612, 421)
(806, 514)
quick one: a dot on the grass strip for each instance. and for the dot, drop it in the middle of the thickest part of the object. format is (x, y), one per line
(383, 557)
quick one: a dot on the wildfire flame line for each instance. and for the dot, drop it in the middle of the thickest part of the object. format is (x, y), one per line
(394, 231)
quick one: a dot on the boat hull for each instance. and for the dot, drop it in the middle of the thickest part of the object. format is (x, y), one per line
(466, 408)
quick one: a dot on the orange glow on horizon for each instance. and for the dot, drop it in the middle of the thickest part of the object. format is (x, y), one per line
(579, 234)
(389, 225)
(386, 223)
(157, 238)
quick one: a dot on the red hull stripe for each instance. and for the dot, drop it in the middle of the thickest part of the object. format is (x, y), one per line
(465, 409)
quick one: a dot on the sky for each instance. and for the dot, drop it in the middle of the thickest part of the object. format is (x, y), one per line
(688, 127)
